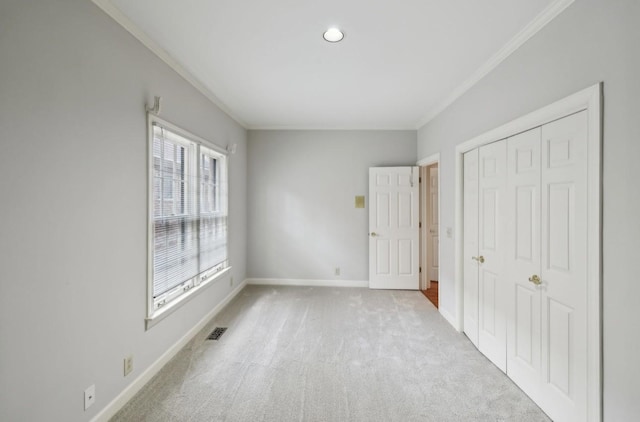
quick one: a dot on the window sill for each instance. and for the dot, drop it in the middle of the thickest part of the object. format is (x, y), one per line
(160, 314)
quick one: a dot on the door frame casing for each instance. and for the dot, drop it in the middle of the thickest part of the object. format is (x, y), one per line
(589, 99)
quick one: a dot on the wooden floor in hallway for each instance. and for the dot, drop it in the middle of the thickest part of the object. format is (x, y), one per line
(432, 293)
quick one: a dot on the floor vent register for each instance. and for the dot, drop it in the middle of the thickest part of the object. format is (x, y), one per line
(217, 333)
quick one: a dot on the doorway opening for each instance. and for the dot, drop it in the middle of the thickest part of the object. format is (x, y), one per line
(429, 228)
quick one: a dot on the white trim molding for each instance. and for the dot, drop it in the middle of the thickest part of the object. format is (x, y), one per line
(427, 161)
(127, 394)
(539, 22)
(344, 127)
(446, 315)
(310, 283)
(589, 99)
(116, 14)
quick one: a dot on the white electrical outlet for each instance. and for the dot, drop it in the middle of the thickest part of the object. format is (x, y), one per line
(337, 270)
(89, 396)
(128, 365)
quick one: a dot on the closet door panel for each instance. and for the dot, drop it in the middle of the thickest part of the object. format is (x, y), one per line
(492, 247)
(471, 204)
(564, 264)
(523, 260)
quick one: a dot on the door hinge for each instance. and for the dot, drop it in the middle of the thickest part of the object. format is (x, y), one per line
(420, 225)
(420, 269)
(419, 179)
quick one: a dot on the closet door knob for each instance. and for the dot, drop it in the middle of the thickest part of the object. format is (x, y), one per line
(480, 258)
(535, 280)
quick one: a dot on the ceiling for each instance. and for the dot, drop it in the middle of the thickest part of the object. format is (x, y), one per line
(267, 65)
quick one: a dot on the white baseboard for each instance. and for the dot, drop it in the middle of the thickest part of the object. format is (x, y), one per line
(450, 319)
(301, 282)
(116, 404)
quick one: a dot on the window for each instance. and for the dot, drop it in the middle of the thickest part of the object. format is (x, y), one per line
(188, 215)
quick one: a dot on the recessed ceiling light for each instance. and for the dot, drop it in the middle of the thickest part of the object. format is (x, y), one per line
(333, 35)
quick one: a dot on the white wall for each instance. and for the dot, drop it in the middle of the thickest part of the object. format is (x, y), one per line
(73, 201)
(302, 187)
(592, 41)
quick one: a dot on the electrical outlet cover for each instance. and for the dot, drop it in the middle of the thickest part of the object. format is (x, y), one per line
(89, 396)
(128, 365)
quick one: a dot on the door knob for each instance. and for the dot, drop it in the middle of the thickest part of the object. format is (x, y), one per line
(373, 234)
(480, 258)
(535, 280)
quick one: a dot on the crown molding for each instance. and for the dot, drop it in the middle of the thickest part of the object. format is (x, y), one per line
(539, 22)
(117, 15)
(333, 128)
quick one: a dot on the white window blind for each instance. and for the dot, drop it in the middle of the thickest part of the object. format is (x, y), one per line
(189, 212)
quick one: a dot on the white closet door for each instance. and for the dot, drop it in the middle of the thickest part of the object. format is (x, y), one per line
(523, 261)
(564, 268)
(471, 204)
(492, 332)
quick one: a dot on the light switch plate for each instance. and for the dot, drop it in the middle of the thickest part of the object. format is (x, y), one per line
(360, 201)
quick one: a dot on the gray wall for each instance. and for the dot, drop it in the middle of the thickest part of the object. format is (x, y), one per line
(592, 41)
(302, 186)
(73, 191)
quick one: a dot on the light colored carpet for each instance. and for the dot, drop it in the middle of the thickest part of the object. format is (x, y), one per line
(330, 354)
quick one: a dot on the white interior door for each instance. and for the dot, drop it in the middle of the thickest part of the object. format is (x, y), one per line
(433, 224)
(492, 318)
(523, 261)
(471, 204)
(393, 228)
(564, 268)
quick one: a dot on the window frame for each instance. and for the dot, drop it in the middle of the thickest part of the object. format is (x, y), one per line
(188, 289)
